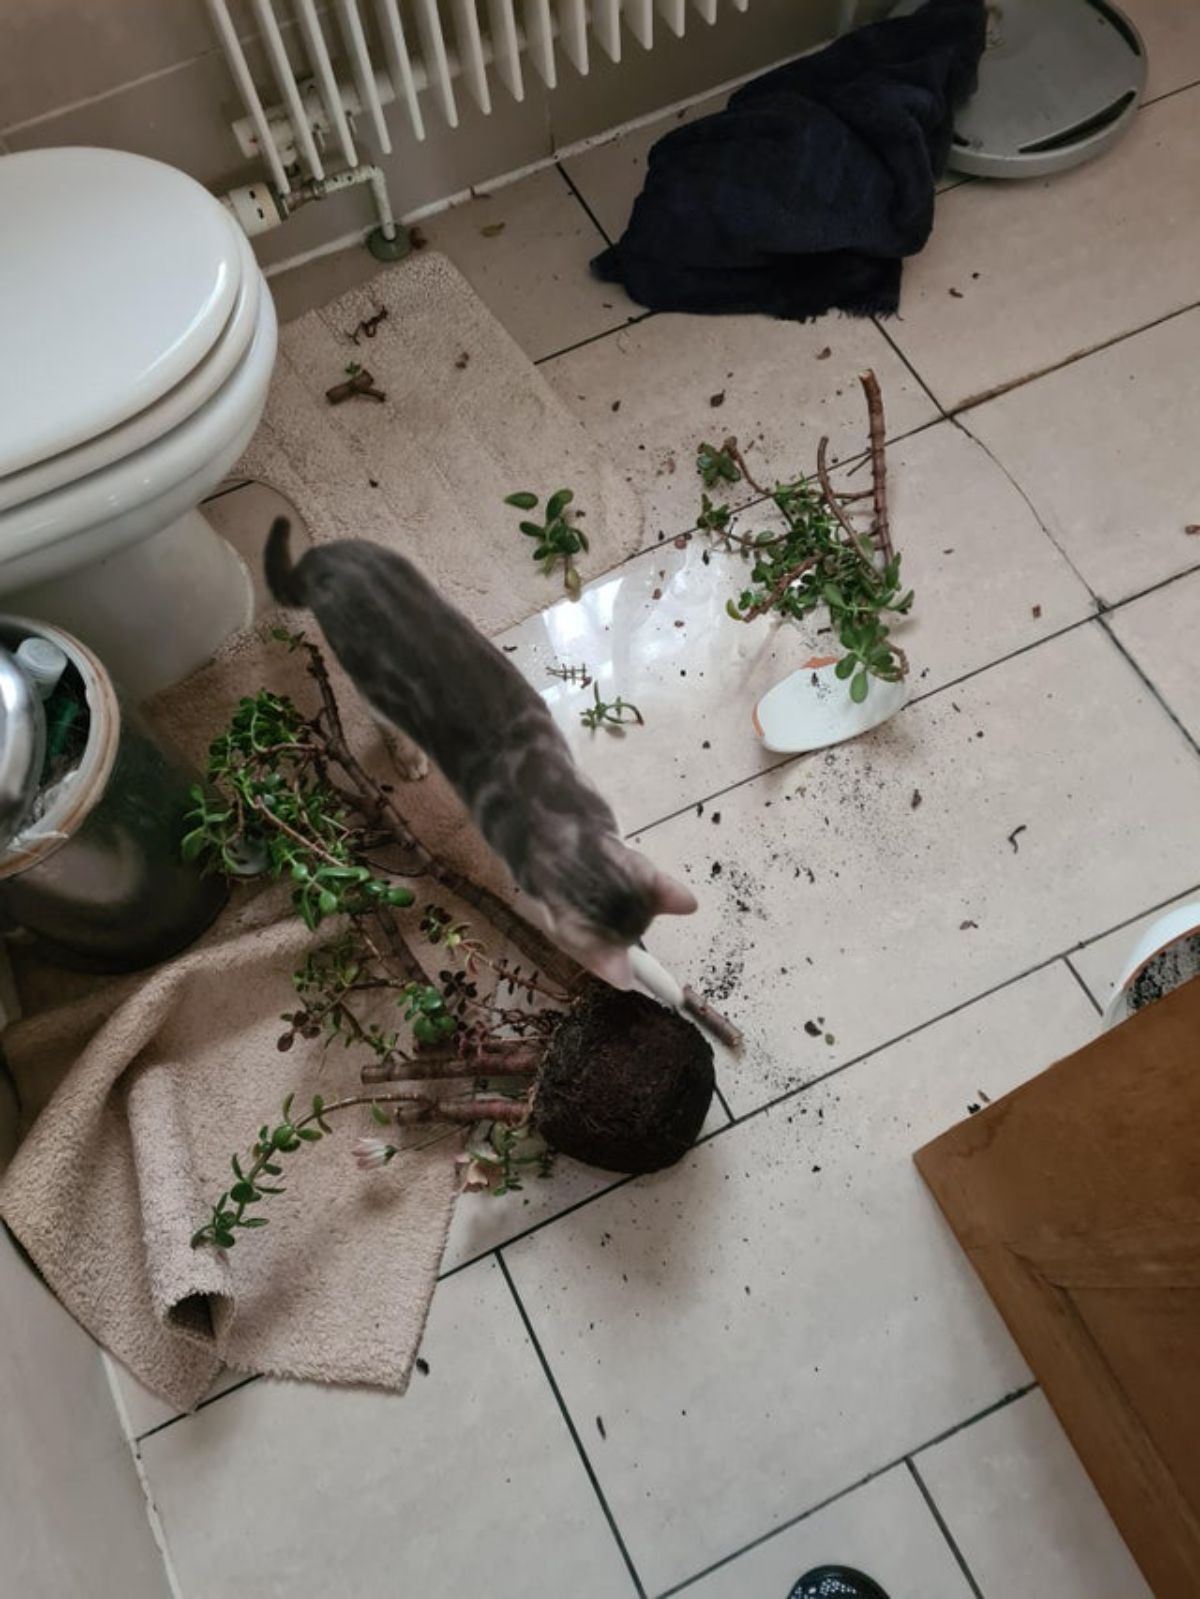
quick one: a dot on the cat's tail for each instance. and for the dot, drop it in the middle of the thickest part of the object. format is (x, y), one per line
(283, 577)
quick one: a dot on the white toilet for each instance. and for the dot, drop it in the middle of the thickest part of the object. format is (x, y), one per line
(137, 337)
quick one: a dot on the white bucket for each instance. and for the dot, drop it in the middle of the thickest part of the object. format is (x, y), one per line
(1171, 927)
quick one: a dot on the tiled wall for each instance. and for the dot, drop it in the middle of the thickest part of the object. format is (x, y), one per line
(146, 75)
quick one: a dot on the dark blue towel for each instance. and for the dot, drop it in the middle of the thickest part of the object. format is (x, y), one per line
(803, 195)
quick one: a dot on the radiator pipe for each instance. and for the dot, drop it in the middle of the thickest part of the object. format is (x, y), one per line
(258, 207)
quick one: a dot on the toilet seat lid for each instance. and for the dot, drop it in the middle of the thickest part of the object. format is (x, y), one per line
(118, 276)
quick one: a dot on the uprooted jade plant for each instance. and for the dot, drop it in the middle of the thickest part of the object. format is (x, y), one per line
(819, 557)
(527, 1053)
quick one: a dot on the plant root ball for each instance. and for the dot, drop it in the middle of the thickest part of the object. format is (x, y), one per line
(626, 1083)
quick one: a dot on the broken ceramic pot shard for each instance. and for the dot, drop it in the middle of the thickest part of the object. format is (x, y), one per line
(812, 709)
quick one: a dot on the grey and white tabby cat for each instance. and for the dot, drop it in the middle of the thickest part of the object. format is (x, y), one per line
(427, 671)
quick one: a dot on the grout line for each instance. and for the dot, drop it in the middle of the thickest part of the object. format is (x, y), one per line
(1150, 686)
(536, 1226)
(157, 1531)
(152, 1516)
(943, 1528)
(578, 193)
(71, 106)
(1074, 971)
(974, 400)
(594, 338)
(1169, 94)
(881, 327)
(203, 1404)
(212, 50)
(1002, 1403)
(724, 1104)
(570, 1425)
(1152, 588)
(842, 1493)
(1020, 489)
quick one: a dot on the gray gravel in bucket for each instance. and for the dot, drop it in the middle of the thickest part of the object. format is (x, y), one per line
(1165, 971)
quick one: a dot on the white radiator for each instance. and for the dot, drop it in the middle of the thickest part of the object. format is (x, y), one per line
(421, 54)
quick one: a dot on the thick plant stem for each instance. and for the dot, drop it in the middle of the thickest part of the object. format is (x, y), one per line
(881, 530)
(480, 1108)
(834, 503)
(499, 1058)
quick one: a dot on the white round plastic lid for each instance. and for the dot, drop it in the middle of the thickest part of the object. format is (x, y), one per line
(117, 277)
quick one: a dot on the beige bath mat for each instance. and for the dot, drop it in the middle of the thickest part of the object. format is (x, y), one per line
(146, 1086)
(467, 420)
(168, 1072)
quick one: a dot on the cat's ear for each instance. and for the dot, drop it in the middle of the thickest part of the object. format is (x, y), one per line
(672, 898)
(665, 895)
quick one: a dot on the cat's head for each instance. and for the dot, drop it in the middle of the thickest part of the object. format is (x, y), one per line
(603, 909)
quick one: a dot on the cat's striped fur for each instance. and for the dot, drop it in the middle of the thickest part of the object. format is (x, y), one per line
(428, 671)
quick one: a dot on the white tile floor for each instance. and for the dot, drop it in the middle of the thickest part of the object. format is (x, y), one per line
(775, 1355)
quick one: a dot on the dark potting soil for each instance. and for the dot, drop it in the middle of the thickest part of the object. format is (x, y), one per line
(626, 1084)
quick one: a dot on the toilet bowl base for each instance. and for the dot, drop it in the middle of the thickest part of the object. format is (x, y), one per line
(155, 611)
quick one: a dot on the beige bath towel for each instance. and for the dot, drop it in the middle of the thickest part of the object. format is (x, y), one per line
(467, 420)
(171, 1071)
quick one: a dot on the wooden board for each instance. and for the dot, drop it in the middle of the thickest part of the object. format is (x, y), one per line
(1077, 1199)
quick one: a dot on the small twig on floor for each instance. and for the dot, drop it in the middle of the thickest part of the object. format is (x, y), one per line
(370, 324)
(359, 381)
(719, 1026)
(881, 530)
(732, 449)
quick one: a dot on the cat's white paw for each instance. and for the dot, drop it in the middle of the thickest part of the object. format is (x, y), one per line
(412, 765)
